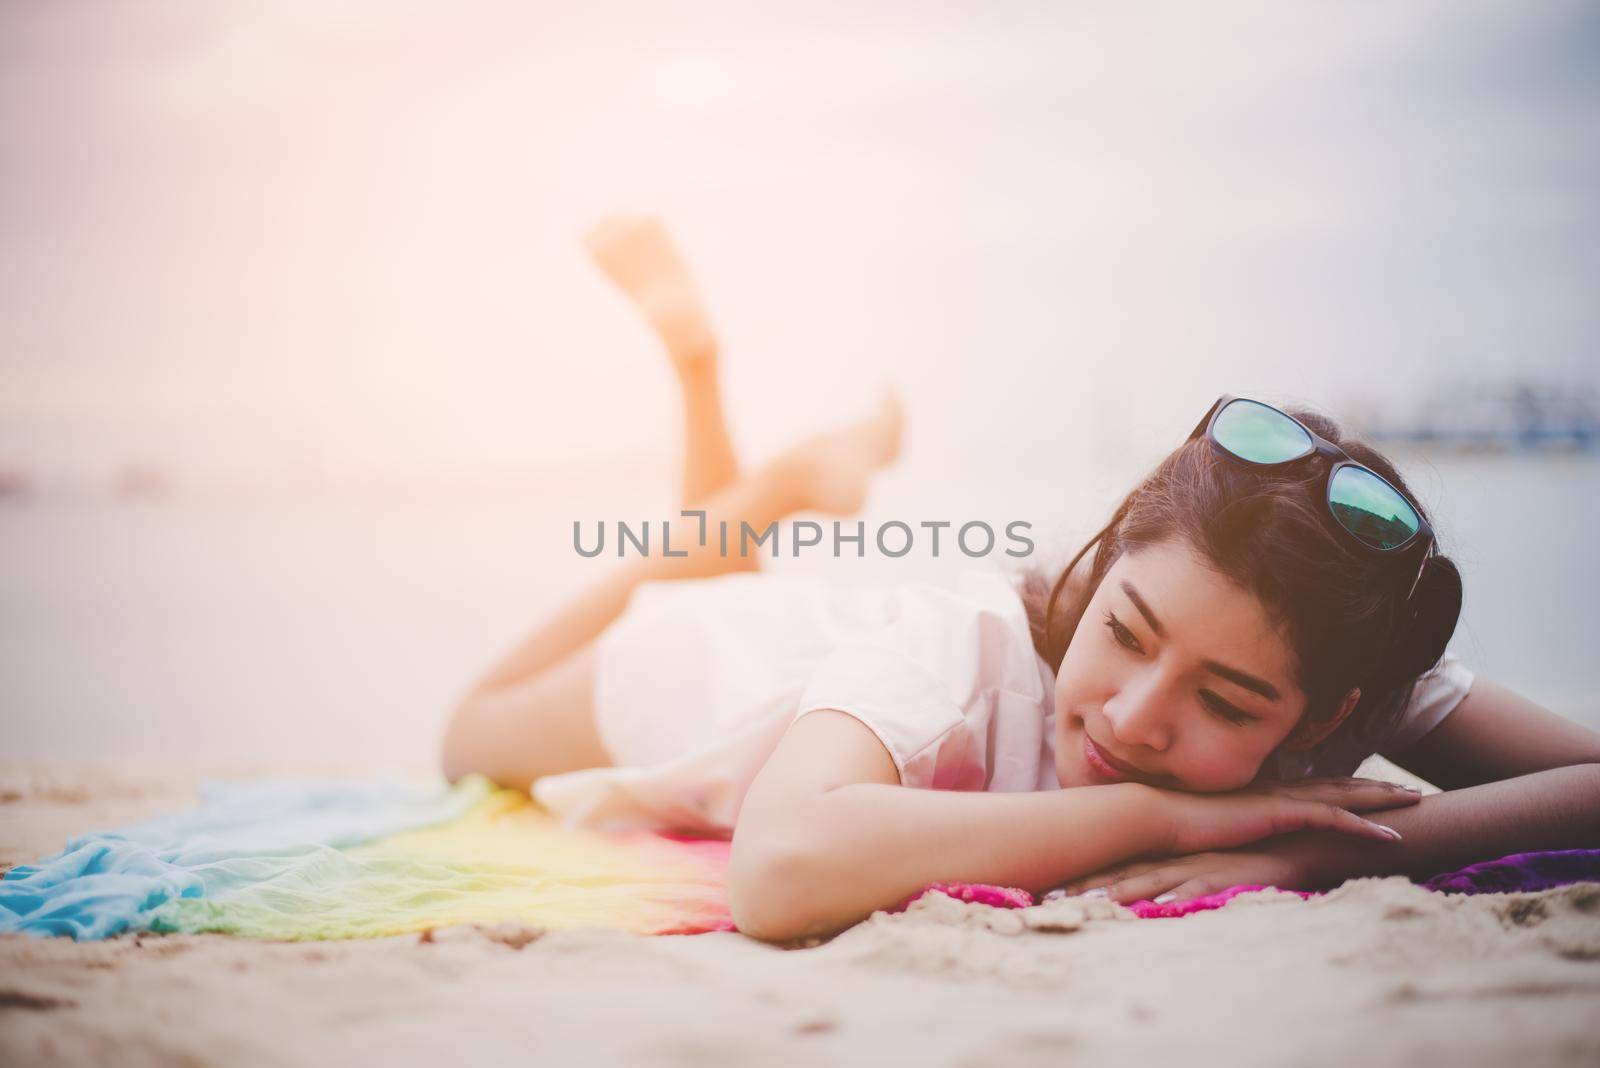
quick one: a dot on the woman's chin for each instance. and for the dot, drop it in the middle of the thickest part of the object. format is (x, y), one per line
(1069, 777)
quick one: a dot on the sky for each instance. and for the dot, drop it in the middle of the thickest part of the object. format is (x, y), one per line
(305, 239)
(333, 249)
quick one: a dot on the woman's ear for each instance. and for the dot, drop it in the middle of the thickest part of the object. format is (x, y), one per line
(1309, 735)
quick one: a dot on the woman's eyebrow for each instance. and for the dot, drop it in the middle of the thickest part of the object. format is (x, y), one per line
(1233, 675)
(1144, 609)
(1249, 682)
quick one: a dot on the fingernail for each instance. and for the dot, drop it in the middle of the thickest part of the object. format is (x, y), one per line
(1097, 892)
(1390, 831)
(1411, 789)
(1164, 898)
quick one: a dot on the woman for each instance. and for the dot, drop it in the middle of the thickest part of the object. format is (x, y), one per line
(1174, 714)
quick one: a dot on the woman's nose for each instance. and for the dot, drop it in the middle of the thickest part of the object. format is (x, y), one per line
(1137, 715)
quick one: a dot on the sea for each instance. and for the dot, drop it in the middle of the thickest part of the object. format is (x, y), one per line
(341, 624)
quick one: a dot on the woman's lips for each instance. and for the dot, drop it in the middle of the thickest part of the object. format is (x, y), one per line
(1104, 765)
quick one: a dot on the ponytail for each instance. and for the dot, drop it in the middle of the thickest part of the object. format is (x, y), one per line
(1434, 609)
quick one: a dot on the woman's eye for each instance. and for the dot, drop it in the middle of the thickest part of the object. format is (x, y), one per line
(1123, 635)
(1224, 709)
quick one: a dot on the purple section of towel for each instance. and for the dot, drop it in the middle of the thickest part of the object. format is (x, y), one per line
(1521, 871)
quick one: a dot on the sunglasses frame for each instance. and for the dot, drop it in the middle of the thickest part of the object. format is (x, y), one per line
(1337, 459)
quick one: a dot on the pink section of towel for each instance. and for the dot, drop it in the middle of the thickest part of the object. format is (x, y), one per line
(1150, 910)
(1001, 897)
(1009, 897)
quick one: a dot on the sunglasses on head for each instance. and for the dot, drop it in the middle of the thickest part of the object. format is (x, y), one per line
(1362, 502)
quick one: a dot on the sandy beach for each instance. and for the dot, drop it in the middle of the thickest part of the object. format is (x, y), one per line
(1378, 972)
(332, 335)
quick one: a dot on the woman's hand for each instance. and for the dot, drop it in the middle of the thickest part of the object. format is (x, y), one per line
(1199, 823)
(1294, 863)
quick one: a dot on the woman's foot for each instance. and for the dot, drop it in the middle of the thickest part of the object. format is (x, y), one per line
(829, 473)
(637, 253)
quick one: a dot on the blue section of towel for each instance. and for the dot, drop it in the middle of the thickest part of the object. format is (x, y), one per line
(107, 882)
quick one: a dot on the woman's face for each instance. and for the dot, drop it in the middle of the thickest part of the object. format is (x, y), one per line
(1175, 677)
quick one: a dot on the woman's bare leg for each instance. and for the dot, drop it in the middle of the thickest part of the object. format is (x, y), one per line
(709, 462)
(639, 256)
(532, 714)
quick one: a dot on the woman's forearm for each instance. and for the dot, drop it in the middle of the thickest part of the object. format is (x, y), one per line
(868, 846)
(1547, 810)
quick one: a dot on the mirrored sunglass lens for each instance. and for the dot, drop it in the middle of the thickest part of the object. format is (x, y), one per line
(1262, 435)
(1371, 509)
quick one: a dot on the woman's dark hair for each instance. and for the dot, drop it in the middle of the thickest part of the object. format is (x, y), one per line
(1342, 607)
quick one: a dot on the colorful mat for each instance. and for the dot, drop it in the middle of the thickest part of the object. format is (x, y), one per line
(297, 860)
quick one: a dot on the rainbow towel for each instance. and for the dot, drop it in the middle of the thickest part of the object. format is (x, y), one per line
(293, 860)
(287, 860)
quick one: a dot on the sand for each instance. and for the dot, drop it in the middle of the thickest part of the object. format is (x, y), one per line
(1378, 972)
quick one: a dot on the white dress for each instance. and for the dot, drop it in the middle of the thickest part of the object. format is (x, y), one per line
(697, 681)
